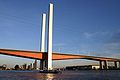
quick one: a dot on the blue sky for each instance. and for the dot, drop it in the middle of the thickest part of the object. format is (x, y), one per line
(87, 27)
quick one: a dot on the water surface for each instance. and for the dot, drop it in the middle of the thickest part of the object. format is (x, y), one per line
(65, 75)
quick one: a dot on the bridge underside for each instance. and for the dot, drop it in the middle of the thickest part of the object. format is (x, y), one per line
(55, 56)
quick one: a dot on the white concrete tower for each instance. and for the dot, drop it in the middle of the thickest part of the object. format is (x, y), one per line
(50, 26)
(43, 33)
(42, 47)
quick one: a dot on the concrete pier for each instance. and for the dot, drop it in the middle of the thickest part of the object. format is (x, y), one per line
(105, 65)
(101, 67)
(119, 64)
(115, 63)
(43, 64)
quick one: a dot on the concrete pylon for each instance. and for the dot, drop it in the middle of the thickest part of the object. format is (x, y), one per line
(42, 48)
(43, 32)
(49, 46)
(50, 26)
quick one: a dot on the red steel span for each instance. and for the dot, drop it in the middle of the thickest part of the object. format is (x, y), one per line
(55, 56)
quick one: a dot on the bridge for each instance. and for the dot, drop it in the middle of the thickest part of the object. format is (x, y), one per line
(47, 57)
(58, 56)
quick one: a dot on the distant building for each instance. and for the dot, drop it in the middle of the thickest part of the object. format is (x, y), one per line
(35, 65)
(17, 67)
(96, 67)
(84, 67)
(29, 67)
(4, 67)
(24, 66)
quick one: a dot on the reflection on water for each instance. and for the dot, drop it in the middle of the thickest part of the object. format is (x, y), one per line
(49, 76)
(43, 76)
(66, 75)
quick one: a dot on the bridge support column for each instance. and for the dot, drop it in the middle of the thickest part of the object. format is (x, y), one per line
(101, 67)
(105, 65)
(115, 63)
(43, 64)
(119, 64)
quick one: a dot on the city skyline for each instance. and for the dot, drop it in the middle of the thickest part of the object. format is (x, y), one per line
(83, 27)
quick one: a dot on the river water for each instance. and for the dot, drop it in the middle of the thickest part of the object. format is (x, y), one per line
(65, 75)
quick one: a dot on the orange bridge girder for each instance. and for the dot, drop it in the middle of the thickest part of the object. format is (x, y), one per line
(55, 56)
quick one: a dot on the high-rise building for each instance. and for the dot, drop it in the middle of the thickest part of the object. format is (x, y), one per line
(35, 65)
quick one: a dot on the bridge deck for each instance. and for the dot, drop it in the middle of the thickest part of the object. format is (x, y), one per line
(55, 56)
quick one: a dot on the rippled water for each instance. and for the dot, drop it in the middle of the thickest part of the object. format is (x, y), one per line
(65, 75)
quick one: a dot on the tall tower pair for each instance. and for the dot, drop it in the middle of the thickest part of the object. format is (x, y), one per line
(49, 40)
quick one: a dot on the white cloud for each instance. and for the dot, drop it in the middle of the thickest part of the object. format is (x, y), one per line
(59, 44)
(95, 34)
(88, 35)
